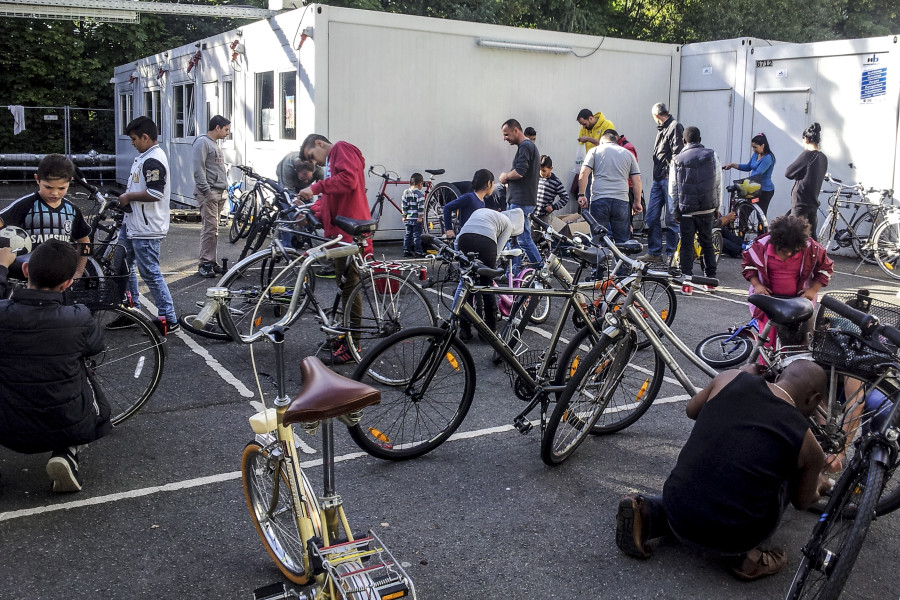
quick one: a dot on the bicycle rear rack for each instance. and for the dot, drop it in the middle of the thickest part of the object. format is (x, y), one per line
(365, 569)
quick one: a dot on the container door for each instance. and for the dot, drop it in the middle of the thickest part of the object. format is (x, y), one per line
(211, 103)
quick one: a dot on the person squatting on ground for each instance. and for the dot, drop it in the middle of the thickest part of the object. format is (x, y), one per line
(485, 234)
(468, 203)
(210, 191)
(695, 185)
(48, 401)
(761, 165)
(750, 453)
(786, 262)
(412, 206)
(47, 214)
(294, 173)
(808, 173)
(669, 141)
(522, 185)
(342, 192)
(611, 166)
(146, 222)
(551, 193)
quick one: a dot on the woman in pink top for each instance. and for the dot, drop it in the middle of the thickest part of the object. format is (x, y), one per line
(786, 262)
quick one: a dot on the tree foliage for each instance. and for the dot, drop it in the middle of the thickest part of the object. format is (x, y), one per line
(65, 63)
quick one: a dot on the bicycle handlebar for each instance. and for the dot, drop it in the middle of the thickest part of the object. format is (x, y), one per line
(866, 322)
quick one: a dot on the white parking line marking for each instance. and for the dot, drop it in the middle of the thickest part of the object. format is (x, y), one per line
(226, 375)
(221, 478)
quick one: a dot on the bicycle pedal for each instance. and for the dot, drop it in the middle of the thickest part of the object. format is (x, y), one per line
(523, 425)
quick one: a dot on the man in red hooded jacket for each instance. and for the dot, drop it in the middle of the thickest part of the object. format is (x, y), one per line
(342, 193)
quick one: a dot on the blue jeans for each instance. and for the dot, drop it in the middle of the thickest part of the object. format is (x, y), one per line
(412, 242)
(144, 254)
(659, 196)
(613, 214)
(525, 240)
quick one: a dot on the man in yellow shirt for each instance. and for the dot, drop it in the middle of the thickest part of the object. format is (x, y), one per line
(592, 127)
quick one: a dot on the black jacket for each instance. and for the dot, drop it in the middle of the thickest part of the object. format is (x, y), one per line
(669, 141)
(47, 401)
(695, 175)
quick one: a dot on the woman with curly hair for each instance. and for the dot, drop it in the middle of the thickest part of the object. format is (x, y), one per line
(786, 262)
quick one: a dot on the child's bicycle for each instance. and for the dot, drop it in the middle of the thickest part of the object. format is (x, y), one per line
(730, 348)
(309, 538)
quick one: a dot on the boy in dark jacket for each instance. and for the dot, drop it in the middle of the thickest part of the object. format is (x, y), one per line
(47, 401)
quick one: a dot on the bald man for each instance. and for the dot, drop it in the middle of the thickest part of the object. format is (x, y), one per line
(749, 454)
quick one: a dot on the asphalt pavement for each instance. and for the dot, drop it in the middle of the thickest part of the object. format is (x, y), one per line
(162, 514)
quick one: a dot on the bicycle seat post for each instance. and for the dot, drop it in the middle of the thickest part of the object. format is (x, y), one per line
(328, 459)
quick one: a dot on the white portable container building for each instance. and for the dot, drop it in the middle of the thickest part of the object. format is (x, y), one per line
(412, 93)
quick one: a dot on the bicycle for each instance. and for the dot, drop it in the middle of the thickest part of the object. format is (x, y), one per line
(852, 341)
(675, 263)
(750, 222)
(268, 199)
(886, 243)
(260, 288)
(857, 231)
(309, 538)
(436, 196)
(427, 376)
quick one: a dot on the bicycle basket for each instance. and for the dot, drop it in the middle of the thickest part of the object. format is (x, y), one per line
(837, 342)
(97, 292)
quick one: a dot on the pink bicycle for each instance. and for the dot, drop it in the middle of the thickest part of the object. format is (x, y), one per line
(523, 279)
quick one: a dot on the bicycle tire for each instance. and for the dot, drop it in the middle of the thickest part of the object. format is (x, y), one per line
(388, 303)
(750, 222)
(723, 350)
(377, 209)
(258, 234)
(585, 397)
(866, 221)
(435, 200)
(410, 422)
(211, 330)
(717, 242)
(839, 535)
(130, 366)
(243, 217)
(886, 247)
(657, 291)
(278, 531)
(248, 279)
(542, 309)
(826, 232)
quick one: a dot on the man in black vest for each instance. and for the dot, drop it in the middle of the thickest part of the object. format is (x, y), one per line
(695, 183)
(750, 453)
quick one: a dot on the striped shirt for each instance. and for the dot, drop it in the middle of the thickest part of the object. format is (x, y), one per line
(413, 204)
(548, 190)
(42, 222)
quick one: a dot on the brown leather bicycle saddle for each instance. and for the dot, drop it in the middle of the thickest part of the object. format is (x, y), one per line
(784, 311)
(326, 394)
(356, 227)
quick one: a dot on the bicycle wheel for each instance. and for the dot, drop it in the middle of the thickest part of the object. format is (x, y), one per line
(717, 243)
(829, 555)
(585, 397)
(247, 280)
(435, 201)
(886, 248)
(130, 366)
(258, 234)
(750, 223)
(387, 303)
(211, 330)
(723, 350)
(243, 217)
(542, 308)
(826, 232)
(267, 489)
(658, 293)
(861, 230)
(425, 394)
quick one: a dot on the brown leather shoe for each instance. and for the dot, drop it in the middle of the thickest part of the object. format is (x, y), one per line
(631, 526)
(760, 563)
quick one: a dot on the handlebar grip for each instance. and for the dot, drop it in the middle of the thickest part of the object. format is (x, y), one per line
(866, 322)
(431, 241)
(342, 251)
(710, 281)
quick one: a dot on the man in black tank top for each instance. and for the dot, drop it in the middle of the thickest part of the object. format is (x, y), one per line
(749, 454)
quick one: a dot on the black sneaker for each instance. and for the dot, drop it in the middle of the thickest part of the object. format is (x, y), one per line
(631, 526)
(62, 468)
(219, 269)
(207, 270)
(165, 326)
(121, 323)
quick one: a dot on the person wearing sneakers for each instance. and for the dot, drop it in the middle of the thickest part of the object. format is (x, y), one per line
(48, 400)
(695, 185)
(210, 191)
(751, 452)
(341, 193)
